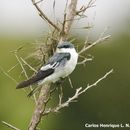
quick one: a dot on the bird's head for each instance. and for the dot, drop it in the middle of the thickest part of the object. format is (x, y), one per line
(65, 47)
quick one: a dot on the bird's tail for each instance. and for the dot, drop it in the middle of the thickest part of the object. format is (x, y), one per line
(26, 83)
(39, 76)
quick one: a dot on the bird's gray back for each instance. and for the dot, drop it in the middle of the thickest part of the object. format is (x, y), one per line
(59, 57)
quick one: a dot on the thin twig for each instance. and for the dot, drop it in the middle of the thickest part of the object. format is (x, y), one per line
(10, 77)
(70, 14)
(25, 75)
(60, 95)
(95, 84)
(84, 61)
(84, 8)
(38, 1)
(9, 125)
(28, 65)
(13, 67)
(78, 92)
(70, 81)
(43, 16)
(93, 44)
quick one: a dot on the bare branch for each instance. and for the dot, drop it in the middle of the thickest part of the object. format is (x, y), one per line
(28, 65)
(84, 8)
(38, 1)
(10, 77)
(43, 16)
(70, 14)
(95, 84)
(78, 92)
(25, 73)
(60, 95)
(9, 125)
(93, 44)
(13, 67)
(40, 107)
(70, 81)
(84, 61)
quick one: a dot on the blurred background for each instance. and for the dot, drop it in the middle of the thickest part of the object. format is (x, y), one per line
(109, 102)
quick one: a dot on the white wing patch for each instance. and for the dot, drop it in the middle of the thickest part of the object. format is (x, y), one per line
(49, 66)
(55, 65)
(46, 67)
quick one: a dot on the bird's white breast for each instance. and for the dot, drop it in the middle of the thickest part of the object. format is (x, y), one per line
(71, 64)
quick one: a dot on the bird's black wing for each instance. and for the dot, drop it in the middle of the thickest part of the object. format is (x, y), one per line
(39, 76)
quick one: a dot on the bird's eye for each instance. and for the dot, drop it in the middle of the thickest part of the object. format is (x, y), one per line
(66, 46)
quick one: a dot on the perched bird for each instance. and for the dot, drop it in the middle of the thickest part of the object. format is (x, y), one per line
(60, 65)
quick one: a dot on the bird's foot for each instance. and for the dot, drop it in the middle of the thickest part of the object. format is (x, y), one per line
(59, 82)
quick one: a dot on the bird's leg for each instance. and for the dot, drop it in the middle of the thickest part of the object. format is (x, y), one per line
(57, 85)
(59, 82)
(53, 88)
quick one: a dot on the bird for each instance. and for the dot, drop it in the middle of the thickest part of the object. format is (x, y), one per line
(59, 66)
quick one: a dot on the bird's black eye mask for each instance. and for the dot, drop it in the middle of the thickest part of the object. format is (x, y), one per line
(64, 45)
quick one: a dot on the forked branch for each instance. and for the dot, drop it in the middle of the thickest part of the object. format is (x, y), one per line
(94, 43)
(43, 16)
(78, 92)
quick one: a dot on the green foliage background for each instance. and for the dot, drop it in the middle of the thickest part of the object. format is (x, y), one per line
(106, 103)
